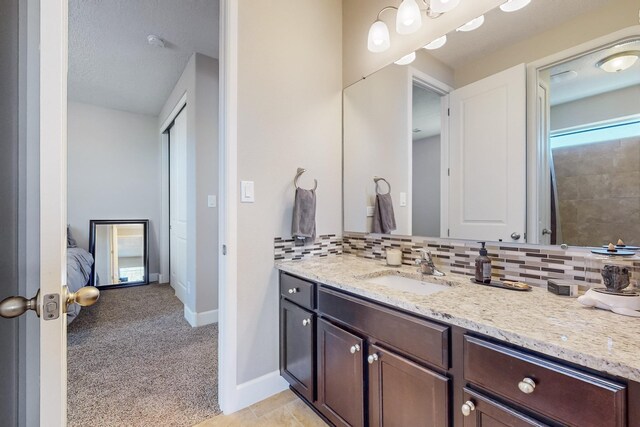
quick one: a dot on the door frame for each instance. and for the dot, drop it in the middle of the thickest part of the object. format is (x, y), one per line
(536, 181)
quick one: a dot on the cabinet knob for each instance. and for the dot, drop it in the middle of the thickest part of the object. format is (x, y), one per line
(293, 290)
(527, 386)
(354, 349)
(306, 322)
(467, 408)
(372, 358)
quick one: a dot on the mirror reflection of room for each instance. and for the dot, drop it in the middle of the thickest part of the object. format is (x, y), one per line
(120, 254)
(595, 147)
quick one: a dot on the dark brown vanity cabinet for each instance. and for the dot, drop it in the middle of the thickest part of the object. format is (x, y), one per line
(340, 375)
(404, 393)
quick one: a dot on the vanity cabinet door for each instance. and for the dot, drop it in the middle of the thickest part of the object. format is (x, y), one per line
(340, 375)
(403, 393)
(297, 346)
(481, 411)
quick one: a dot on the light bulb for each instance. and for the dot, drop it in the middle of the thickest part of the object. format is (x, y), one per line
(407, 59)
(437, 43)
(474, 24)
(378, 40)
(443, 6)
(408, 18)
(513, 5)
(619, 62)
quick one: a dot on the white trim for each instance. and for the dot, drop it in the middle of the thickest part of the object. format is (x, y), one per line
(258, 389)
(174, 112)
(200, 319)
(180, 293)
(153, 277)
(228, 393)
(162, 278)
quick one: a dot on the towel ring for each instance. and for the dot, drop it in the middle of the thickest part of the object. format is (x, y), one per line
(377, 180)
(300, 172)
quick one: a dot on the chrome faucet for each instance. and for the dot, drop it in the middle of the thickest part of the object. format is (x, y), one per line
(425, 264)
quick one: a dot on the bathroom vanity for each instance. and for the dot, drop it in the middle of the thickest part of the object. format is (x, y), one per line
(362, 353)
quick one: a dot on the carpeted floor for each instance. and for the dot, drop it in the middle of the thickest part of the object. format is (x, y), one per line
(134, 361)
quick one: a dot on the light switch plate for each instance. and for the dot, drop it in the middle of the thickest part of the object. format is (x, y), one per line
(369, 210)
(403, 199)
(211, 201)
(246, 192)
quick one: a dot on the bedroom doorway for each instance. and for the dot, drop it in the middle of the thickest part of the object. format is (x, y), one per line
(143, 355)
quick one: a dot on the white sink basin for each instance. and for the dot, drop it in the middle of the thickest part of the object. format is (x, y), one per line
(409, 285)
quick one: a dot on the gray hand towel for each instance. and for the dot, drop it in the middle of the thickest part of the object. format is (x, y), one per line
(384, 220)
(303, 226)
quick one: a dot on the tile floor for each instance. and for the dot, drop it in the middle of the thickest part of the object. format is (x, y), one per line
(283, 409)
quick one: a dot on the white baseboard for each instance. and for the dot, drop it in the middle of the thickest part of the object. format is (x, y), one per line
(181, 293)
(256, 390)
(162, 278)
(154, 277)
(200, 319)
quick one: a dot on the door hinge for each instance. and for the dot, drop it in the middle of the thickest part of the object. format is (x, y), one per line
(448, 172)
(224, 249)
(448, 111)
(448, 232)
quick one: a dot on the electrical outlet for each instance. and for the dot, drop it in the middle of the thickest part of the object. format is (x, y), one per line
(211, 201)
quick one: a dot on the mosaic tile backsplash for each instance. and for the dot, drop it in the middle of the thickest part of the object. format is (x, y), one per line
(289, 249)
(532, 264)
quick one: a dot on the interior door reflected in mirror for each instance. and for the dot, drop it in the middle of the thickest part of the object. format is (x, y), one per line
(119, 248)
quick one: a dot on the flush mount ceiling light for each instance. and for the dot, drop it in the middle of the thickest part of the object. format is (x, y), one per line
(619, 61)
(474, 24)
(155, 41)
(437, 43)
(513, 5)
(407, 59)
(443, 6)
(409, 18)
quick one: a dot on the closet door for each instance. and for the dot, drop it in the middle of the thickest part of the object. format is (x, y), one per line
(487, 193)
(178, 204)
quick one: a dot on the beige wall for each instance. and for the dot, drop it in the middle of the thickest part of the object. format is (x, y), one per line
(289, 116)
(610, 105)
(358, 15)
(614, 16)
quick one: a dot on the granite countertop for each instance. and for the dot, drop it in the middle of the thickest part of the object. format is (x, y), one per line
(537, 320)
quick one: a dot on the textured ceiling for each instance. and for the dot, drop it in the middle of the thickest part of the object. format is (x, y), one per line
(591, 80)
(426, 113)
(112, 65)
(502, 29)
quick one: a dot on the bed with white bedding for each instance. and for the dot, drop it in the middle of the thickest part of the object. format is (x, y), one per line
(79, 264)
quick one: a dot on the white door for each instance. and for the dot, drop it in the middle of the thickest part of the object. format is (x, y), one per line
(178, 204)
(488, 158)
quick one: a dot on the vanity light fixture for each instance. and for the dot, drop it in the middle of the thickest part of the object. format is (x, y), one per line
(513, 5)
(474, 24)
(443, 6)
(619, 61)
(378, 40)
(408, 18)
(437, 43)
(407, 59)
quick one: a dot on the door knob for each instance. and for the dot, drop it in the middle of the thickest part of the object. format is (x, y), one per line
(546, 231)
(15, 306)
(515, 236)
(84, 297)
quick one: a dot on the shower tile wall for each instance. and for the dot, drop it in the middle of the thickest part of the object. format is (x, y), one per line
(599, 192)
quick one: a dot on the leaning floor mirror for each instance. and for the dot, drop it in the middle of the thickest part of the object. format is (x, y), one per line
(120, 251)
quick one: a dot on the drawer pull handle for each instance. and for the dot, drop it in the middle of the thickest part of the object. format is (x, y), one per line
(293, 290)
(527, 386)
(468, 408)
(354, 349)
(372, 358)
(306, 322)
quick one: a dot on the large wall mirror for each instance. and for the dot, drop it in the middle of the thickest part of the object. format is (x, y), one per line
(120, 251)
(485, 138)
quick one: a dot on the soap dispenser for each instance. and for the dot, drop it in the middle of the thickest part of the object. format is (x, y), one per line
(483, 266)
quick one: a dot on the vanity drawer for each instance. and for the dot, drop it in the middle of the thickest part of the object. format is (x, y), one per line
(558, 392)
(415, 337)
(297, 290)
